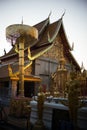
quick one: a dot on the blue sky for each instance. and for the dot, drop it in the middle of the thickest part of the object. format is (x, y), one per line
(34, 11)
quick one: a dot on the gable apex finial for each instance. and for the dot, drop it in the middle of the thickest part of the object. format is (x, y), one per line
(63, 13)
(22, 20)
(50, 14)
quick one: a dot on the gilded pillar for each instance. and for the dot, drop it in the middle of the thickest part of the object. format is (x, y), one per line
(21, 66)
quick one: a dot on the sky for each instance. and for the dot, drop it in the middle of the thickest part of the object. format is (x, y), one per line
(35, 11)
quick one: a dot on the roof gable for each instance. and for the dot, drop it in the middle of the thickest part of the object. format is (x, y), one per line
(47, 34)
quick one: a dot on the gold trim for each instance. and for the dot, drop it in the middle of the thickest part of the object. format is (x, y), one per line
(35, 79)
(39, 54)
(16, 73)
(34, 57)
(56, 32)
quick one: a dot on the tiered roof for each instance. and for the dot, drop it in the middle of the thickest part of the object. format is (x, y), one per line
(47, 34)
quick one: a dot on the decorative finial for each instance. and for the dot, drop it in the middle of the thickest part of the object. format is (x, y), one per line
(63, 13)
(72, 46)
(82, 66)
(4, 51)
(50, 14)
(22, 20)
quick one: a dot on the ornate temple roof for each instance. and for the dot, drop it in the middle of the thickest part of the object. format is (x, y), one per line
(47, 34)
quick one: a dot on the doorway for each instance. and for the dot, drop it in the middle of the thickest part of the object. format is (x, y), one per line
(29, 89)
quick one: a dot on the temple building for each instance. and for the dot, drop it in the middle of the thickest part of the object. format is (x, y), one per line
(49, 53)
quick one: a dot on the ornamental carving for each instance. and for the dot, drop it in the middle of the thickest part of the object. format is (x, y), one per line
(56, 51)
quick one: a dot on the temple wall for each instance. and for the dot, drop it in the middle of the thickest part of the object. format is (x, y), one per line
(47, 64)
(56, 50)
(43, 68)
